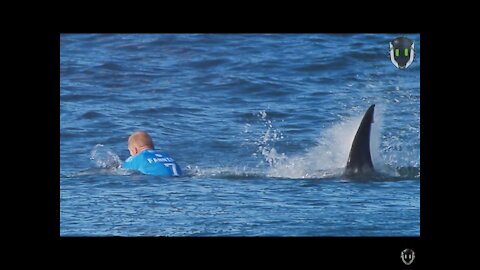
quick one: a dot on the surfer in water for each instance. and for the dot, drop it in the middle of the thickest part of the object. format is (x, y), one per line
(148, 160)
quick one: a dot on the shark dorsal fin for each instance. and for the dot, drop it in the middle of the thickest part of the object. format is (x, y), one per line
(359, 160)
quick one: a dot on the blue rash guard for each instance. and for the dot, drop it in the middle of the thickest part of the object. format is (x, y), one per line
(153, 162)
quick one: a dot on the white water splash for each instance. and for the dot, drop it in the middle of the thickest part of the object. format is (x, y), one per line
(268, 137)
(103, 157)
(329, 156)
(106, 162)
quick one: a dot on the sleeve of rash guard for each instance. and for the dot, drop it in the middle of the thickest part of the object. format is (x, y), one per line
(129, 164)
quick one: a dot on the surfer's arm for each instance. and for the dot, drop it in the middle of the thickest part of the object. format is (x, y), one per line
(129, 164)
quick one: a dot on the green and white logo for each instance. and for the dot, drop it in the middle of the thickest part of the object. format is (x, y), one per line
(402, 52)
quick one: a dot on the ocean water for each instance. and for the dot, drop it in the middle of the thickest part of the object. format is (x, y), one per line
(261, 125)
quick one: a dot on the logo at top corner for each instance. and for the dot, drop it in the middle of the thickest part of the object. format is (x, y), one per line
(402, 52)
(407, 256)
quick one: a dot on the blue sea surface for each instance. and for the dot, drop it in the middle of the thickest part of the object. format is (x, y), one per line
(261, 125)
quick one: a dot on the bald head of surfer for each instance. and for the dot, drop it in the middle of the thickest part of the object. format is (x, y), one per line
(139, 141)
